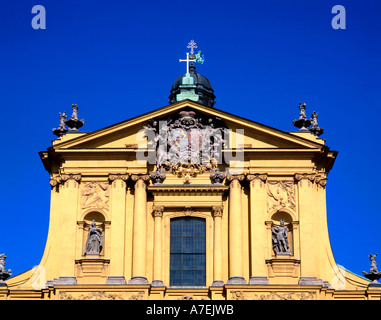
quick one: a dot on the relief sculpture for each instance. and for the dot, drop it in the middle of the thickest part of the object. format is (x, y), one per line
(95, 195)
(281, 194)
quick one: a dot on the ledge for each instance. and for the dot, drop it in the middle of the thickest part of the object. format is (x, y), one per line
(188, 187)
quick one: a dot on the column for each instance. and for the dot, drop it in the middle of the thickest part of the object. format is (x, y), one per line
(118, 218)
(157, 213)
(235, 230)
(258, 236)
(139, 237)
(217, 252)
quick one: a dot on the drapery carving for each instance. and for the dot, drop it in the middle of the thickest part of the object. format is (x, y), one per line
(95, 195)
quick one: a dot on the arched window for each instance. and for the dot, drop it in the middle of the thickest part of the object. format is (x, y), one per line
(188, 252)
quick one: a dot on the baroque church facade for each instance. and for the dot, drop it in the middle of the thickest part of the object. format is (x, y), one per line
(188, 202)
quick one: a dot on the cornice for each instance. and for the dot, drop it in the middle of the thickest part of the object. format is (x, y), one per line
(188, 188)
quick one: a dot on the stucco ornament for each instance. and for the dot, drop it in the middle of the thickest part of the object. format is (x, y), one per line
(187, 144)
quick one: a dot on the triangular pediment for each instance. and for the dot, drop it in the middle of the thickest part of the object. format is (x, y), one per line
(126, 133)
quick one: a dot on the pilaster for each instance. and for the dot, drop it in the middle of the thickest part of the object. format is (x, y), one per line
(69, 203)
(217, 212)
(118, 218)
(139, 243)
(307, 224)
(157, 213)
(258, 209)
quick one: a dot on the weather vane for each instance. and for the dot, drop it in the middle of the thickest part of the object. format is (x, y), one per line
(193, 57)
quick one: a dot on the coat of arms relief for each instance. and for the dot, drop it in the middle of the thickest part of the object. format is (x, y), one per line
(187, 144)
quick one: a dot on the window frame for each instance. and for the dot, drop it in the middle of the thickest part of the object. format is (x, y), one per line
(195, 253)
(208, 244)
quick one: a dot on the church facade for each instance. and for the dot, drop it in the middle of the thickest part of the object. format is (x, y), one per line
(188, 202)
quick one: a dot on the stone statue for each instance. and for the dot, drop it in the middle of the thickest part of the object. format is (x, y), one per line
(373, 273)
(3, 273)
(61, 130)
(94, 240)
(74, 123)
(280, 239)
(316, 130)
(302, 123)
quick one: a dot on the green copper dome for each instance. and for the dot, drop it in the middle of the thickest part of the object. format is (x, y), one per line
(203, 88)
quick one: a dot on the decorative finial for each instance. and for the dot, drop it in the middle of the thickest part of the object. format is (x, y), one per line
(3, 273)
(302, 123)
(316, 130)
(61, 130)
(74, 123)
(373, 274)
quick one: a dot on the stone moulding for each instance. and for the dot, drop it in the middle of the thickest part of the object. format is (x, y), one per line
(188, 188)
(273, 295)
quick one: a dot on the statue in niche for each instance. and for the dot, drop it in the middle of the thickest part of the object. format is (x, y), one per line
(94, 240)
(280, 239)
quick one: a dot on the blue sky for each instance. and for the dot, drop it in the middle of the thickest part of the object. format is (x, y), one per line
(117, 59)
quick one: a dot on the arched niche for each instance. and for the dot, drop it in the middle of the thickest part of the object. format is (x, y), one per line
(279, 220)
(85, 224)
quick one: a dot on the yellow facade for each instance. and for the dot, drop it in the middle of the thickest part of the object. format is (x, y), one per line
(96, 176)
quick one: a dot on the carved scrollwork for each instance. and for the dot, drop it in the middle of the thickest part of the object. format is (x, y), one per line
(99, 295)
(320, 179)
(137, 177)
(273, 295)
(113, 177)
(58, 179)
(239, 177)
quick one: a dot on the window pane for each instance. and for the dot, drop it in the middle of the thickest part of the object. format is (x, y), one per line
(188, 262)
(188, 245)
(199, 262)
(199, 245)
(175, 261)
(188, 278)
(199, 227)
(176, 227)
(187, 227)
(199, 279)
(175, 276)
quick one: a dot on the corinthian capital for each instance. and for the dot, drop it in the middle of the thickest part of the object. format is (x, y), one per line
(157, 211)
(217, 211)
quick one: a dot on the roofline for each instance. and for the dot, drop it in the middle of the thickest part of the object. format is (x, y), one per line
(197, 106)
